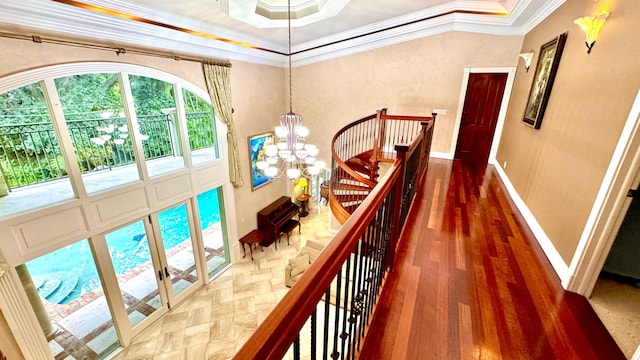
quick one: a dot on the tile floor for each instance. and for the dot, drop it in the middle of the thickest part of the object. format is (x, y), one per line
(217, 320)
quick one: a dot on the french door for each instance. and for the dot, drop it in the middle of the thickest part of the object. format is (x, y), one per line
(154, 262)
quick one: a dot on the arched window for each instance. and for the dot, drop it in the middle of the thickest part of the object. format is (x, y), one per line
(121, 169)
(109, 128)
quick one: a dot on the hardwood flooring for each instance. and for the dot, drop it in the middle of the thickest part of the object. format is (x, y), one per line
(472, 283)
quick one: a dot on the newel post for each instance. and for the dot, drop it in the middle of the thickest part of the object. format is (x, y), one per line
(378, 142)
(398, 189)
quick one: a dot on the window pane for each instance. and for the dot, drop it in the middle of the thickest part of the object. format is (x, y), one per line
(68, 286)
(201, 127)
(216, 247)
(178, 247)
(155, 109)
(29, 153)
(131, 257)
(93, 110)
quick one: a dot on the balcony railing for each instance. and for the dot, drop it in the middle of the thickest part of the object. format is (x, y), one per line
(327, 312)
(30, 153)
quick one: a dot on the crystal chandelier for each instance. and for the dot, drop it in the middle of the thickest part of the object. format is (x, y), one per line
(291, 157)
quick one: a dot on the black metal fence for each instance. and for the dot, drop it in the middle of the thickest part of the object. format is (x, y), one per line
(30, 153)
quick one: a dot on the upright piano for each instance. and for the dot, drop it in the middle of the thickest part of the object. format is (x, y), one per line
(273, 218)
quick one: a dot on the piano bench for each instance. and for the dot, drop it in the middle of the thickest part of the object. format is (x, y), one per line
(288, 227)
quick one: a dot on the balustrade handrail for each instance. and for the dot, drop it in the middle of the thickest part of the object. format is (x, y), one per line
(386, 130)
(338, 158)
(370, 233)
(278, 331)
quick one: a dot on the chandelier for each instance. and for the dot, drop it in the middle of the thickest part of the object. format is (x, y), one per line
(290, 157)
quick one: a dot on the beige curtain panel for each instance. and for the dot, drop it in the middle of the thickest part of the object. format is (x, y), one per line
(219, 87)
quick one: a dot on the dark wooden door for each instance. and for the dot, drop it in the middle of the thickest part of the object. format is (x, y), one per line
(479, 116)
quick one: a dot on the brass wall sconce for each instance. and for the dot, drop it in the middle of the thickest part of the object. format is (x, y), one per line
(527, 57)
(591, 26)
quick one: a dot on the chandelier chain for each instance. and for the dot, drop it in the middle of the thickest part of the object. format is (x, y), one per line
(289, 56)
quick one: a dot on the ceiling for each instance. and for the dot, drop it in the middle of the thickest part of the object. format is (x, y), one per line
(231, 29)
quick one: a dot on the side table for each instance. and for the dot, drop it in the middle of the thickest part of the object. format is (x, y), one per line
(304, 202)
(254, 237)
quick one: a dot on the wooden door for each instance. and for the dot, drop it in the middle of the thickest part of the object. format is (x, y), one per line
(479, 116)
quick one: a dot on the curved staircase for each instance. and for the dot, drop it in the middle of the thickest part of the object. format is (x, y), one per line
(360, 147)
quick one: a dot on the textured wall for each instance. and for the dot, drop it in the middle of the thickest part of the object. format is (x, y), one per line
(410, 78)
(558, 169)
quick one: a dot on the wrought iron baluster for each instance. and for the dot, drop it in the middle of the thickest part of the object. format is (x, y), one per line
(345, 306)
(336, 323)
(296, 348)
(325, 344)
(314, 325)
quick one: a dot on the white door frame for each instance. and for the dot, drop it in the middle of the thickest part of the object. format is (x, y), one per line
(609, 209)
(511, 76)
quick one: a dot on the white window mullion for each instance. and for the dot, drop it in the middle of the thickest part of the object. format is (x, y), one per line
(132, 119)
(61, 130)
(182, 124)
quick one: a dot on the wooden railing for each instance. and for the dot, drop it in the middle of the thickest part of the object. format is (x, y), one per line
(326, 313)
(369, 140)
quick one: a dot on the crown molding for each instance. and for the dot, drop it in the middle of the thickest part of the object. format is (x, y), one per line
(196, 38)
(548, 8)
(306, 53)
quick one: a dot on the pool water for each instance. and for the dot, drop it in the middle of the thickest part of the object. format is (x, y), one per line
(69, 272)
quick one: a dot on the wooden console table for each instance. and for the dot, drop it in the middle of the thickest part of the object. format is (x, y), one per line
(254, 237)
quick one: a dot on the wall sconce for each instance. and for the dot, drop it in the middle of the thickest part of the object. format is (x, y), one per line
(591, 26)
(527, 57)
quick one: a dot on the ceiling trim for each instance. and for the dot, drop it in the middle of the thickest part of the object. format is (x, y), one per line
(114, 24)
(548, 8)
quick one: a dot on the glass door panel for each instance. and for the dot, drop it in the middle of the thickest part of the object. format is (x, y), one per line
(155, 108)
(216, 246)
(131, 255)
(176, 247)
(66, 294)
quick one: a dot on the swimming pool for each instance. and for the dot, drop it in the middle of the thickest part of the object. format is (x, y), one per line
(69, 272)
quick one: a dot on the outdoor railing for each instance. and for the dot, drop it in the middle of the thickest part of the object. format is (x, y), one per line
(30, 153)
(327, 312)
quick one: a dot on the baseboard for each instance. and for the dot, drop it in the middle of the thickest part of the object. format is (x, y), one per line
(441, 155)
(558, 264)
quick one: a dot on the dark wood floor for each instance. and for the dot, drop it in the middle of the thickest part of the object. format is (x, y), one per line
(471, 283)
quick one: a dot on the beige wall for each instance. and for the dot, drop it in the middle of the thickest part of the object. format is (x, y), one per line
(257, 91)
(558, 169)
(411, 78)
(8, 345)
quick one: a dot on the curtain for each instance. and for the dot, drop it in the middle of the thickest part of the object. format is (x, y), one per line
(218, 81)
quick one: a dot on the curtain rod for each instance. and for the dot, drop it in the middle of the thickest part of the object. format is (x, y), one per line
(118, 50)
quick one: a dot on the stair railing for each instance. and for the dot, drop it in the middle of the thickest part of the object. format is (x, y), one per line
(327, 312)
(371, 140)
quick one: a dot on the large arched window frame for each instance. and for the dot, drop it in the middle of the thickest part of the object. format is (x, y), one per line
(90, 214)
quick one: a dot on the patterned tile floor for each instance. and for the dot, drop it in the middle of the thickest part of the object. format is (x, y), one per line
(217, 320)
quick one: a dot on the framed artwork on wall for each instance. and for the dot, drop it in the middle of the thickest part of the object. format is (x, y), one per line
(545, 74)
(257, 144)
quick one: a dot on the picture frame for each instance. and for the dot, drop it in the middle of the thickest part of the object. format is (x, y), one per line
(257, 144)
(543, 78)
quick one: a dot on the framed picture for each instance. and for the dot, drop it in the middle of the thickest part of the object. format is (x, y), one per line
(256, 153)
(548, 60)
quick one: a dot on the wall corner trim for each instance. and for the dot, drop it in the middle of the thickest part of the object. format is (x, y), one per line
(559, 265)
